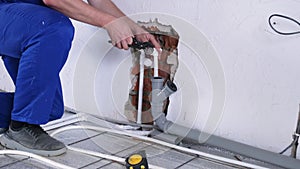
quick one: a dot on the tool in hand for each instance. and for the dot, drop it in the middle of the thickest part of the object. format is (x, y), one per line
(138, 44)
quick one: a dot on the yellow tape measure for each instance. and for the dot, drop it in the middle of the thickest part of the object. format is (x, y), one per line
(137, 161)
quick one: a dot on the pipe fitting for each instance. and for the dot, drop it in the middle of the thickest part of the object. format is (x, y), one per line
(159, 95)
(157, 83)
(164, 93)
(169, 89)
(162, 122)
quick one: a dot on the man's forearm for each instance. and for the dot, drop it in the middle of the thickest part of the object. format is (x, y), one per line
(107, 6)
(110, 8)
(81, 11)
(104, 13)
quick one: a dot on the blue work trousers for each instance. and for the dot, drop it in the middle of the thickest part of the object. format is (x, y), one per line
(34, 44)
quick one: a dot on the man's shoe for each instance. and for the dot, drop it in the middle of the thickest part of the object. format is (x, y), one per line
(33, 139)
(3, 130)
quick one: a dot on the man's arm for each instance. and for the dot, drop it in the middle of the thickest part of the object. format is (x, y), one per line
(81, 11)
(107, 6)
(103, 13)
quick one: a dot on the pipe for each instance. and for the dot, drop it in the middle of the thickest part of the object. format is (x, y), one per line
(155, 60)
(141, 81)
(141, 86)
(211, 157)
(98, 154)
(159, 94)
(90, 117)
(157, 85)
(40, 159)
(195, 135)
(63, 122)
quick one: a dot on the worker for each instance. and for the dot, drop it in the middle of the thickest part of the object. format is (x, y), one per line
(35, 39)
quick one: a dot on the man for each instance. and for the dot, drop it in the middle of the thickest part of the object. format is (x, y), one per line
(35, 38)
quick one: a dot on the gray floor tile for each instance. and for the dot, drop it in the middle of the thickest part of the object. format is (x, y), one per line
(169, 159)
(113, 166)
(125, 153)
(153, 150)
(27, 164)
(113, 143)
(74, 159)
(10, 159)
(98, 164)
(73, 136)
(90, 144)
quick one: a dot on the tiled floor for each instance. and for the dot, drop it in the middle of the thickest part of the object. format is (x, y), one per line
(121, 146)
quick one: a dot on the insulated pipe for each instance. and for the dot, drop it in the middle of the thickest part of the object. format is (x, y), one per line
(195, 135)
(155, 62)
(218, 159)
(141, 87)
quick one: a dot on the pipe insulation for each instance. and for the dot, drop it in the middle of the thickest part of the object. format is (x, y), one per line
(196, 135)
(141, 86)
(155, 64)
(218, 159)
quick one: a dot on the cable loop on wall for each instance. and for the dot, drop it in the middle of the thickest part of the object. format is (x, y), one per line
(285, 17)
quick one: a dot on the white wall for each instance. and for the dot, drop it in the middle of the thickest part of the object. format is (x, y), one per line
(261, 67)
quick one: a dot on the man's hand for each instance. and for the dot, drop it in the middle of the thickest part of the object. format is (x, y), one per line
(144, 36)
(147, 37)
(122, 30)
(120, 33)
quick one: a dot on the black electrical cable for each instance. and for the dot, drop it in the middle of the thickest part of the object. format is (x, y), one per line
(288, 147)
(285, 17)
(295, 139)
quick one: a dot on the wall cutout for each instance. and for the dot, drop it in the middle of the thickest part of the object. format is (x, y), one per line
(167, 67)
